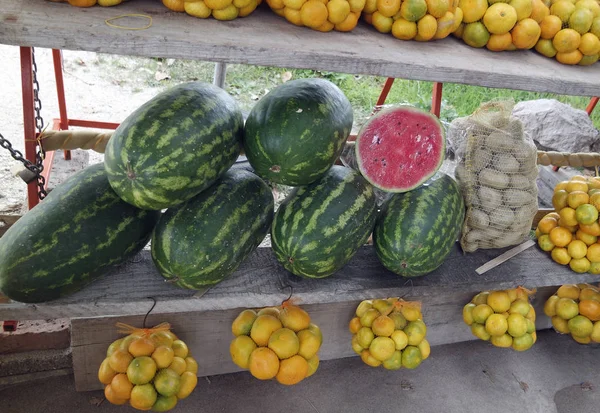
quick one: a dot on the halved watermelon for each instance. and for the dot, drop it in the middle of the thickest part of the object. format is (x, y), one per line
(400, 147)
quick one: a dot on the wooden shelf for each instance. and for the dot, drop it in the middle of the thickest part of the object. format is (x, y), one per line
(262, 281)
(268, 40)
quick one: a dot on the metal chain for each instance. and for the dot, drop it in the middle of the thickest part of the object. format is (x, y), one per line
(38, 166)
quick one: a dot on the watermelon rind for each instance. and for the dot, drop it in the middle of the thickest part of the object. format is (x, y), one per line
(204, 240)
(319, 227)
(75, 235)
(416, 230)
(375, 170)
(174, 146)
(295, 133)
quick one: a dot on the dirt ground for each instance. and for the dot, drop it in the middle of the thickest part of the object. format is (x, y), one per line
(94, 91)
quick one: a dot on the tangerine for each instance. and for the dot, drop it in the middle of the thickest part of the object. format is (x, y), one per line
(475, 34)
(388, 8)
(365, 336)
(187, 384)
(468, 313)
(105, 372)
(164, 404)
(191, 365)
(141, 370)
(580, 326)
(577, 249)
(550, 305)
(539, 11)
(523, 8)
(499, 301)
(263, 327)
(400, 339)
(369, 360)
(383, 326)
(119, 360)
(560, 325)
(561, 237)
(143, 397)
(500, 18)
(496, 325)
(163, 356)
(411, 357)
(292, 370)
(394, 362)
(473, 10)
(167, 382)
(243, 323)
(263, 363)
(568, 291)
(426, 28)
(545, 243)
(240, 349)
(338, 11)
(479, 331)
(526, 33)
(313, 365)
(566, 308)
(590, 309)
(180, 349)
(403, 29)
(382, 348)
(503, 341)
(590, 45)
(313, 13)
(121, 386)
(581, 20)
(413, 10)
(110, 396)
(580, 265)
(577, 198)
(523, 342)
(284, 342)
(179, 365)
(425, 349)
(143, 346)
(563, 9)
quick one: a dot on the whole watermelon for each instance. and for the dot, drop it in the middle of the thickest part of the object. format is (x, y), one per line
(416, 230)
(174, 146)
(70, 239)
(204, 240)
(319, 227)
(296, 132)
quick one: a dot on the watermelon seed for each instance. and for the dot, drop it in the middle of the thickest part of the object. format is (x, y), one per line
(275, 168)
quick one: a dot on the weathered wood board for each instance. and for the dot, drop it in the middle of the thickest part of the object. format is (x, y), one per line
(266, 39)
(208, 333)
(262, 281)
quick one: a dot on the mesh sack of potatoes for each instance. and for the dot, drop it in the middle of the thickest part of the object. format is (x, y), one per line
(496, 171)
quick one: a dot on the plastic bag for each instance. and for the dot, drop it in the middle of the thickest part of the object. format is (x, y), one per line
(496, 171)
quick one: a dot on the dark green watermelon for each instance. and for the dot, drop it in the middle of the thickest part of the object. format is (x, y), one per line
(416, 230)
(294, 134)
(174, 146)
(70, 239)
(319, 227)
(204, 240)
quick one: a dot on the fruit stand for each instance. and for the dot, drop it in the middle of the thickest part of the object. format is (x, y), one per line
(204, 317)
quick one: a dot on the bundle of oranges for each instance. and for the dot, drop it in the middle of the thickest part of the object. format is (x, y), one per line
(570, 234)
(505, 318)
(321, 15)
(575, 310)
(277, 343)
(571, 32)
(390, 333)
(219, 9)
(149, 369)
(501, 25)
(420, 20)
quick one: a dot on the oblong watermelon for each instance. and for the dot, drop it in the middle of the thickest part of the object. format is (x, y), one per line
(174, 146)
(80, 230)
(204, 240)
(399, 148)
(296, 132)
(416, 230)
(319, 227)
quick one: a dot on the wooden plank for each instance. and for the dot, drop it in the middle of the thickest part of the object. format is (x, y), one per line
(542, 212)
(208, 334)
(268, 40)
(6, 221)
(262, 281)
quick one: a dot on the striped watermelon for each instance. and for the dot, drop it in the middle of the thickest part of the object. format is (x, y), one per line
(174, 146)
(416, 230)
(296, 132)
(204, 240)
(70, 239)
(319, 227)
(399, 148)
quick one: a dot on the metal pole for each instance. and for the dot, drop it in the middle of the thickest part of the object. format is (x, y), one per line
(220, 73)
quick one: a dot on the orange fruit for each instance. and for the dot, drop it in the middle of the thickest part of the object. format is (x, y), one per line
(459, 31)
(167, 382)
(404, 30)
(178, 364)
(121, 386)
(550, 25)
(338, 10)
(357, 6)
(568, 291)
(164, 404)
(290, 4)
(349, 23)
(83, 3)
(499, 301)
(445, 26)
(115, 345)
(562, 185)
(560, 324)
(592, 229)
(576, 198)
(580, 326)
(105, 373)
(163, 356)
(313, 13)
(381, 23)
(245, 11)
(218, 4)
(141, 370)
(413, 10)
(559, 199)
(143, 346)
(191, 365)
(354, 325)
(568, 217)
(499, 42)
(587, 238)
(568, 40)
(240, 349)
(426, 28)
(566, 308)
(581, 20)
(595, 29)
(382, 348)
(500, 18)
(590, 309)
(593, 253)
(119, 360)
(187, 384)
(595, 200)
(370, 8)
(523, 8)
(294, 318)
(590, 44)
(589, 293)
(313, 365)
(163, 338)
(292, 370)
(526, 33)
(243, 323)
(388, 8)
(560, 236)
(560, 255)
(143, 397)
(546, 224)
(580, 265)
(368, 359)
(110, 396)
(550, 305)
(263, 363)
(180, 349)
(475, 34)
(591, 5)
(577, 249)
(197, 9)
(284, 342)
(263, 327)
(175, 5)
(539, 11)
(545, 243)
(563, 9)
(576, 185)
(438, 8)
(569, 58)
(473, 10)
(586, 214)
(309, 344)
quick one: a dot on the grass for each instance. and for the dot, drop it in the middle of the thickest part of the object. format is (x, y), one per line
(249, 83)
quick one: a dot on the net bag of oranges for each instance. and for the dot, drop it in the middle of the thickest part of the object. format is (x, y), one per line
(321, 15)
(277, 343)
(390, 333)
(150, 368)
(420, 20)
(496, 171)
(219, 9)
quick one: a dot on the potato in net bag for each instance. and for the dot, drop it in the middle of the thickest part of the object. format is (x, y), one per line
(497, 173)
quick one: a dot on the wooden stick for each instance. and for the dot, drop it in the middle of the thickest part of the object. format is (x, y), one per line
(504, 257)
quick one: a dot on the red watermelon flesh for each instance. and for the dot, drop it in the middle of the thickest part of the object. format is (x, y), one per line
(399, 148)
